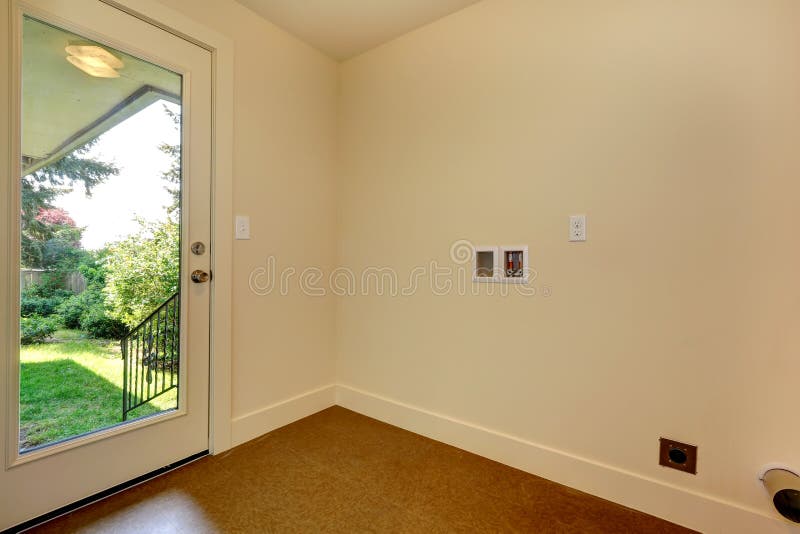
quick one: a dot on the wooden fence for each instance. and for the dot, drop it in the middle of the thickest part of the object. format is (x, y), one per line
(75, 282)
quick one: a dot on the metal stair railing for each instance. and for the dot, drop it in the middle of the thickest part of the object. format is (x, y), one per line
(151, 354)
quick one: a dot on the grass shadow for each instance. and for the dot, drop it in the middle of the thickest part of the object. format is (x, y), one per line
(61, 399)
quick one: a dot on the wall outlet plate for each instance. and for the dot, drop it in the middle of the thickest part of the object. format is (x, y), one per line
(577, 228)
(677, 455)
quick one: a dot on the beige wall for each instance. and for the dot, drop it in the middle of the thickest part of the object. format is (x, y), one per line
(675, 127)
(285, 113)
(284, 155)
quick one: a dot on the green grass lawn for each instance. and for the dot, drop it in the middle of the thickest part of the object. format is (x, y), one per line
(71, 386)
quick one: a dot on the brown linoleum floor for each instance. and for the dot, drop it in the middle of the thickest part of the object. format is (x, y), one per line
(338, 471)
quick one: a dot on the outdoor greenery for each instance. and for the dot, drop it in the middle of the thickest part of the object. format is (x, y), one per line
(173, 175)
(73, 386)
(126, 281)
(71, 370)
(36, 329)
(51, 241)
(143, 271)
(88, 311)
(46, 234)
(42, 300)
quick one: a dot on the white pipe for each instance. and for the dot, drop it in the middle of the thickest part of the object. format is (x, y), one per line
(783, 487)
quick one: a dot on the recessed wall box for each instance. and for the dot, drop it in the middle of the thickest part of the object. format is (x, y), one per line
(514, 266)
(485, 264)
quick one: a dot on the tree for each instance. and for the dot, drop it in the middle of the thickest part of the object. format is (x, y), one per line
(61, 251)
(39, 189)
(55, 216)
(173, 175)
(143, 270)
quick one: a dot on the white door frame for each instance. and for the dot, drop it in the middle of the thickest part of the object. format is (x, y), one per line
(221, 49)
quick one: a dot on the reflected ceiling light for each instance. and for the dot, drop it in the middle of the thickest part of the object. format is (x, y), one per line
(94, 60)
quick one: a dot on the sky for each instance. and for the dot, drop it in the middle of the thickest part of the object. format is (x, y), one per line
(138, 190)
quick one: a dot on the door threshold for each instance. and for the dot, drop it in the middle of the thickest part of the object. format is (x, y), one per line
(86, 501)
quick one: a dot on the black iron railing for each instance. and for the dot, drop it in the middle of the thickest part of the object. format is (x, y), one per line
(151, 353)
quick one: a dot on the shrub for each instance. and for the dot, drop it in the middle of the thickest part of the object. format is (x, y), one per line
(88, 311)
(43, 307)
(74, 308)
(97, 324)
(71, 310)
(35, 329)
(51, 284)
(143, 270)
(37, 300)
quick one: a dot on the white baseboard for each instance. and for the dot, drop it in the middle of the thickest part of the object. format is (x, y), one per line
(693, 510)
(251, 425)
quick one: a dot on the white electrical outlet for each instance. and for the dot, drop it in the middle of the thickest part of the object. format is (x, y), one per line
(577, 228)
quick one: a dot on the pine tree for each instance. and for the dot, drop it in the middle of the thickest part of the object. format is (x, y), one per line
(40, 188)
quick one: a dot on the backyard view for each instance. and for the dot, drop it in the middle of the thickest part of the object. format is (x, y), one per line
(78, 303)
(72, 385)
(99, 239)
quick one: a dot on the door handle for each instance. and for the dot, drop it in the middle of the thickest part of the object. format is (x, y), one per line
(200, 277)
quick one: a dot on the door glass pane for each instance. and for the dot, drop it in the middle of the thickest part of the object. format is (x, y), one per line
(100, 237)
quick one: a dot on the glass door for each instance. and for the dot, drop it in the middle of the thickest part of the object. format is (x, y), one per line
(111, 205)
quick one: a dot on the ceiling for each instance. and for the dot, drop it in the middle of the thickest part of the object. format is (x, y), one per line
(63, 107)
(345, 28)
